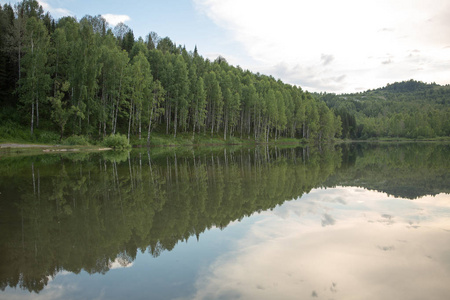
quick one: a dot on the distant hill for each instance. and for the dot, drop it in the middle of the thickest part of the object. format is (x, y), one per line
(410, 86)
(412, 109)
(415, 91)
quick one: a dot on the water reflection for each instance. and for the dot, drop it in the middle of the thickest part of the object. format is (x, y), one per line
(84, 212)
(94, 213)
(374, 247)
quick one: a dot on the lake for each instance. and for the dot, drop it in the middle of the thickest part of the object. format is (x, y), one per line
(351, 221)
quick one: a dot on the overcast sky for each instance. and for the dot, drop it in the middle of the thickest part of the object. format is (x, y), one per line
(321, 45)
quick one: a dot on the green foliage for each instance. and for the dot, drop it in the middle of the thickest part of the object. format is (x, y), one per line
(116, 141)
(61, 114)
(76, 140)
(14, 133)
(92, 80)
(10, 132)
(100, 82)
(46, 137)
(409, 109)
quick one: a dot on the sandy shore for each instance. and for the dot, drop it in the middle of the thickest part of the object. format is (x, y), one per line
(23, 146)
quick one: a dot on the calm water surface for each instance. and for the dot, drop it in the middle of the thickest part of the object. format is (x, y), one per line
(349, 222)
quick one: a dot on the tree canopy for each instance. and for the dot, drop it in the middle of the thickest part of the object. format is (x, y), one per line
(116, 82)
(410, 109)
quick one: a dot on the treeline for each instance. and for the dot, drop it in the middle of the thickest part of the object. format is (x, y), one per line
(85, 78)
(409, 109)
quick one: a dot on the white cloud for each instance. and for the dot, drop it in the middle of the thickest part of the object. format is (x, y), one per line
(120, 263)
(320, 41)
(55, 12)
(116, 19)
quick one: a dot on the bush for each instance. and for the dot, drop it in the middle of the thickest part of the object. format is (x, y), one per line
(46, 137)
(10, 131)
(117, 141)
(76, 140)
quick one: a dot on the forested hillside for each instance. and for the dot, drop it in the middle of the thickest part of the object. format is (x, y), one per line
(85, 78)
(410, 109)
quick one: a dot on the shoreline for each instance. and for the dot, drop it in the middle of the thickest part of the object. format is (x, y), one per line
(64, 148)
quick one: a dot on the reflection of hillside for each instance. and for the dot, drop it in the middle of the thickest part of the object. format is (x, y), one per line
(94, 213)
(407, 170)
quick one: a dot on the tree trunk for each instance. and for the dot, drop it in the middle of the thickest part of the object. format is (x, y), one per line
(249, 125)
(242, 120)
(175, 121)
(37, 110)
(194, 123)
(32, 117)
(212, 122)
(225, 128)
(167, 116)
(149, 127)
(140, 124)
(116, 114)
(112, 116)
(118, 101)
(129, 120)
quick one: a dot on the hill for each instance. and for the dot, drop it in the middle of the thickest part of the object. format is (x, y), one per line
(410, 109)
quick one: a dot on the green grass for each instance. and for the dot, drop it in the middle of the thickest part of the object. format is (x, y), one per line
(12, 133)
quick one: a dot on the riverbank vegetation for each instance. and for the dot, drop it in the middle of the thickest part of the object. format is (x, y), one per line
(67, 77)
(69, 80)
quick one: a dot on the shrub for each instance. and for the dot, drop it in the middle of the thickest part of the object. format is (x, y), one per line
(46, 137)
(117, 141)
(10, 131)
(76, 140)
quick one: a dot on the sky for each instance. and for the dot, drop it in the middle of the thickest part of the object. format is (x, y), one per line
(322, 46)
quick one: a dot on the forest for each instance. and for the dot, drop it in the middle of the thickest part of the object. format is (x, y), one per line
(408, 109)
(63, 78)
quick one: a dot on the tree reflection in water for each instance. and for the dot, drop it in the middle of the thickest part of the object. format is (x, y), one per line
(95, 211)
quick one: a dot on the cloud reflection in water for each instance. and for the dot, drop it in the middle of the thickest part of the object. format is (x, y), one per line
(369, 250)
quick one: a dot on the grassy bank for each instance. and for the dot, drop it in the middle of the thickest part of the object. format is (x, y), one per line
(43, 139)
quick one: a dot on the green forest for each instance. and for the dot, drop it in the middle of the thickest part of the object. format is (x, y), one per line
(408, 109)
(80, 82)
(62, 78)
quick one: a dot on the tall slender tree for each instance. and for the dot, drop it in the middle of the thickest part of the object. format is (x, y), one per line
(35, 82)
